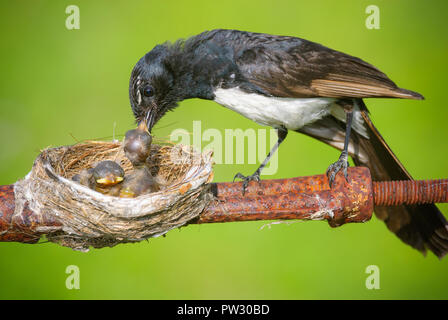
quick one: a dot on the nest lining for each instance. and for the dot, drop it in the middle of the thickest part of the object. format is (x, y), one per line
(90, 218)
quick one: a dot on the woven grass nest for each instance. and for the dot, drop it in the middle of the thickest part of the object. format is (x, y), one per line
(91, 219)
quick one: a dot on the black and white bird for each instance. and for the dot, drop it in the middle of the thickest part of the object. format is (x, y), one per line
(293, 84)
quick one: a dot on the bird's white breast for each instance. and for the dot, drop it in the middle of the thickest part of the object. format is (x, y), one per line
(291, 113)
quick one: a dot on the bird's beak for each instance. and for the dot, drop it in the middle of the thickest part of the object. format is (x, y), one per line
(143, 126)
(109, 180)
(118, 179)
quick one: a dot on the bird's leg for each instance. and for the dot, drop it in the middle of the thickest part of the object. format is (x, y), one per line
(342, 162)
(282, 133)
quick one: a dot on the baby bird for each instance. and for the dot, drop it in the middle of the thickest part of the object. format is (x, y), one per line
(107, 176)
(139, 182)
(85, 178)
(137, 147)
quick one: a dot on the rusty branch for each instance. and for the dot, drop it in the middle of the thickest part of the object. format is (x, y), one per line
(308, 198)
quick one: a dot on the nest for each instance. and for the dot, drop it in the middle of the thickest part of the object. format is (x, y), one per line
(91, 219)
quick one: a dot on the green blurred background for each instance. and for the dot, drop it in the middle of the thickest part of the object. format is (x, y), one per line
(60, 86)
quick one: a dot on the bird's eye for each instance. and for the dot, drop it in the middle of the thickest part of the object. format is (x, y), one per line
(148, 91)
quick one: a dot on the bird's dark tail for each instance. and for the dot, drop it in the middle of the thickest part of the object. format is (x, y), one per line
(420, 226)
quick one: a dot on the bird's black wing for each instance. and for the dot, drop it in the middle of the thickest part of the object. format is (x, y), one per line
(292, 67)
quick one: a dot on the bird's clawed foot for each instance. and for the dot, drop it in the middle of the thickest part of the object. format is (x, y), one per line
(253, 177)
(334, 168)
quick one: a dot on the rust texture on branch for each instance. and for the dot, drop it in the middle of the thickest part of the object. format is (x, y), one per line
(308, 198)
(20, 228)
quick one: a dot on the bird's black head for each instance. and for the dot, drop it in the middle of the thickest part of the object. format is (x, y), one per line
(151, 86)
